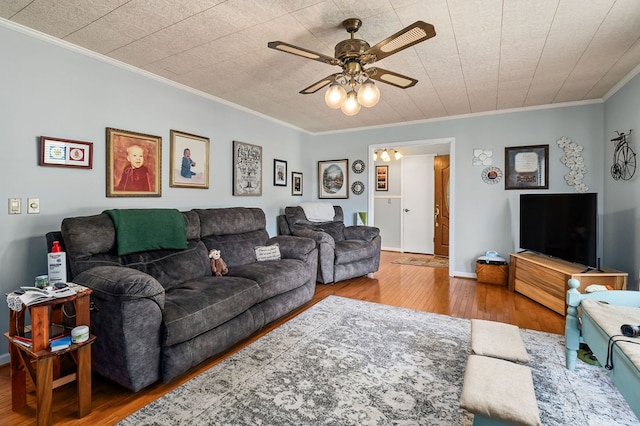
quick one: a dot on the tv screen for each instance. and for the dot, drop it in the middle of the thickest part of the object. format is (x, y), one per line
(560, 225)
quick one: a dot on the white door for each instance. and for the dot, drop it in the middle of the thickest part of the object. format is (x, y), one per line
(417, 204)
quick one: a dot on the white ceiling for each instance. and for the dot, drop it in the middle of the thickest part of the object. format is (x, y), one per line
(487, 55)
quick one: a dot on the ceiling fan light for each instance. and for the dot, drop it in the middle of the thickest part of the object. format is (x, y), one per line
(368, 94)
(385, 156)
(350, 106)
(335, 95)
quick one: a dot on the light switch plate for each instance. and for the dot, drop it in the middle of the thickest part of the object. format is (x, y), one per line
(33, 205)
(15, 206)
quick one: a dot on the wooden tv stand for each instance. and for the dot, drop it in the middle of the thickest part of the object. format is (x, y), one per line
(544, 279)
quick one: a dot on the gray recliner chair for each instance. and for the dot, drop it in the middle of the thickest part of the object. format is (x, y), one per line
(343, 251)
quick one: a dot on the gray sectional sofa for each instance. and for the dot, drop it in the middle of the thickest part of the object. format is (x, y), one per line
(157, 313)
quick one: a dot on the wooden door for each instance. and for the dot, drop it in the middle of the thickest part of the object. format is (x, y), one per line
(441, 211)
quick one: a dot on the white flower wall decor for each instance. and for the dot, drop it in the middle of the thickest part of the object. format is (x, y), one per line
(572, 158)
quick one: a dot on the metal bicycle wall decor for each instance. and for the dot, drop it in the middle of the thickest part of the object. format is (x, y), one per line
(624, 159)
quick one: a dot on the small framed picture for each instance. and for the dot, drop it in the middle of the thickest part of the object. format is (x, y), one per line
(526, 167)
(296, 183)
(279, 173)
(65, 153)
(247, 169)
(189, 162)
(333, 179)
(382, 178)
(133, 164)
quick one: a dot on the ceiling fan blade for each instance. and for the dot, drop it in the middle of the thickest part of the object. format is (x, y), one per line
(415, 33)
(319, 84)
(390, 77)
(305, 53)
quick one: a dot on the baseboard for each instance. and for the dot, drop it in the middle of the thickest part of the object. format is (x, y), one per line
(391, 249)
(5, 359)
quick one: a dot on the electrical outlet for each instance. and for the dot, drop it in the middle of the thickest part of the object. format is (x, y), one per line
(33, 205)
(15, 206)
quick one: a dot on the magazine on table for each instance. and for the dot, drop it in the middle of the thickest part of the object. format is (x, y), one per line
(33, 295)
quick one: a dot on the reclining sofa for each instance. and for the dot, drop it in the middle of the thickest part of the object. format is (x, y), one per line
(344, 252)
(158, 312)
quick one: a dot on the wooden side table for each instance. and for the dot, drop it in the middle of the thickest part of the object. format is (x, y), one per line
(41, 365)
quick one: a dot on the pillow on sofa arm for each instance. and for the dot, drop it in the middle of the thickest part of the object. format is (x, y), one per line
(294, 247)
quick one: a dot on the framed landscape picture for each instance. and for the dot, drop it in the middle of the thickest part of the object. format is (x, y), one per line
(247, 169)
(333, 179)
(189, 161)
(133, 164)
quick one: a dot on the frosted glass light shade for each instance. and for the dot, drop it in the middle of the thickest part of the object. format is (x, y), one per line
(350, 106)
(368, 94)
(385, 156)
(398, 155)
(335, 95)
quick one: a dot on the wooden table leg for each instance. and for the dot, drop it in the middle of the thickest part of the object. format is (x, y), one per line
(84, 380)
(44, 391)
(18, 379)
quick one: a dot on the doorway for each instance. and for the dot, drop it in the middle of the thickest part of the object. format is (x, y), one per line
(417, 204)
(442, 146)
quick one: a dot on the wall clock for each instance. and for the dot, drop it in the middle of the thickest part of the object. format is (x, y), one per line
(357, 187)
(357, 166)
(492, 175)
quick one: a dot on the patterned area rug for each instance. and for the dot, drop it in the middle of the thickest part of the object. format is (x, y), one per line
(432, 261)
(348, 362)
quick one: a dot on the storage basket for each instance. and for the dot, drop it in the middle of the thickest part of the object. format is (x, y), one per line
(492, 273)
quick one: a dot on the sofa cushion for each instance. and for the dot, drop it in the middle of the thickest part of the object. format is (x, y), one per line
(348, 251)
(203, 304)
(275, 276)
(335, 229)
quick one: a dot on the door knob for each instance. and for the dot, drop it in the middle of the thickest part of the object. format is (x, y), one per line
(406, 210)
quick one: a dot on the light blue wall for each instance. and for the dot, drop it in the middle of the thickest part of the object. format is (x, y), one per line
(622, 198)
(53, 91)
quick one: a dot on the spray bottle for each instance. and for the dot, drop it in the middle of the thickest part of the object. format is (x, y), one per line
(57, 261)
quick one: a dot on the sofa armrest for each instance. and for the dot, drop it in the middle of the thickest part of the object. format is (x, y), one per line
(126, 318)
(119, 282)
(367, 233)
(294, 247)
(318, 236)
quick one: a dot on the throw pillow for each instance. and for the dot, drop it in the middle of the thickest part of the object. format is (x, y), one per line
(271, 252)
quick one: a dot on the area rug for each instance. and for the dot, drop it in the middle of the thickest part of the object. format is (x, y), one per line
(348, 362)
(432, 261)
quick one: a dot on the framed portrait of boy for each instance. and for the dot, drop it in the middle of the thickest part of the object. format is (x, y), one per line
(189, 161)
(279, 173)
(133, 164)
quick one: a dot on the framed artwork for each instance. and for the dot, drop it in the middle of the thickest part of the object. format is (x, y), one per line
(526, 167)
(382, 178)
(133, 164)
(247, 169)
(296, 183)
(279, 173)
(189, 161)
(333, 179)
(65, 153)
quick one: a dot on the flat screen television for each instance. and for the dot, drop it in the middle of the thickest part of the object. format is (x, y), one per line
(560, 225)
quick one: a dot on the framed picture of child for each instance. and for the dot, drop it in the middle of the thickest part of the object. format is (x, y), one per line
(133, 164)
(189, 161)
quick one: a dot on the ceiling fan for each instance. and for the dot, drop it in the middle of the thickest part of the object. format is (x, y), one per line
(352, 55)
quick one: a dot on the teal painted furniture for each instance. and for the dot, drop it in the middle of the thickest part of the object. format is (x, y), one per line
(600, 317)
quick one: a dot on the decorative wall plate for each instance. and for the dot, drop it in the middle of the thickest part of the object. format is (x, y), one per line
(492, 175)
(357, 166)
(357, 187)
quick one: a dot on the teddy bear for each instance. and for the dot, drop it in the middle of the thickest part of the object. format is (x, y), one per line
(218, 266)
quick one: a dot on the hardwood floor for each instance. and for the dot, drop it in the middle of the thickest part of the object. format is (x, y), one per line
(415, 287)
